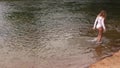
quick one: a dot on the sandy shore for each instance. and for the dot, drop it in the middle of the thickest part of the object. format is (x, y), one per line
(109, 62)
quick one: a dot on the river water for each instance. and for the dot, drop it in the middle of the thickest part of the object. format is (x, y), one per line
(55, 33)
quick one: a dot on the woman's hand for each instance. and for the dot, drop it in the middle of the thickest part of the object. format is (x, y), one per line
(104, 30)
(93, 28)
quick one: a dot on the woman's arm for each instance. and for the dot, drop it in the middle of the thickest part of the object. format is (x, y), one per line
(95, 23)
(103, 24)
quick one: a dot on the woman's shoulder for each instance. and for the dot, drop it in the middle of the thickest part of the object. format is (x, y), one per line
(100, 17)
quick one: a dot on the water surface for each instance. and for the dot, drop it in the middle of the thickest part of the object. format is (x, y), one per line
(54, 34)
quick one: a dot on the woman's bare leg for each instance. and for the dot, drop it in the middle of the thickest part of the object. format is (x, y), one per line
(100, 32)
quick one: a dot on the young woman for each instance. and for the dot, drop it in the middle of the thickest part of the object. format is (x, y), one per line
(99, 25)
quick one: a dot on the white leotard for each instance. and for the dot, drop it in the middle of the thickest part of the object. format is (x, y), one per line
(99, 22)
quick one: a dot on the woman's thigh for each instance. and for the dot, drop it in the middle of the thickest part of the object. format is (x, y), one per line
(100, 31)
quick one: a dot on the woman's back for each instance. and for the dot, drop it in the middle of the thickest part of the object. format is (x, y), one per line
(100, 22)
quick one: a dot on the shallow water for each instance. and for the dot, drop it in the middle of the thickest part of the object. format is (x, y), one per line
(55, 34)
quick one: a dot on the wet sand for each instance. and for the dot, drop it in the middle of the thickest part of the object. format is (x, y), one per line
(109, 62)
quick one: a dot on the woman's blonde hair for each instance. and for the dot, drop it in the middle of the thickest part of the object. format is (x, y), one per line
(102, 13)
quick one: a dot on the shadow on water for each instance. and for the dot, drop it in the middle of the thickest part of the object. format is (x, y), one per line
(55, 33)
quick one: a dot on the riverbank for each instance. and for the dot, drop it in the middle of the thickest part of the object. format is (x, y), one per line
(109, 62)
